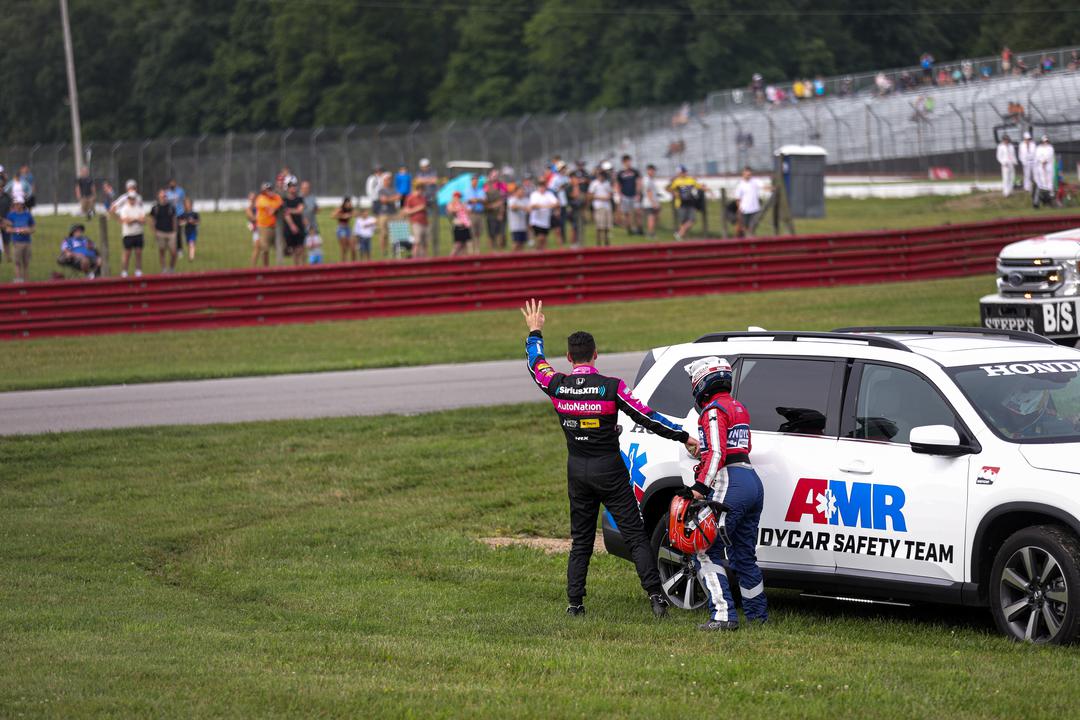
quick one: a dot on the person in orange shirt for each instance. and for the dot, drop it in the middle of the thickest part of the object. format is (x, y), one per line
(267, 206)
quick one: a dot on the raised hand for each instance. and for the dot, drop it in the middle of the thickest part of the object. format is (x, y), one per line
(534, 314)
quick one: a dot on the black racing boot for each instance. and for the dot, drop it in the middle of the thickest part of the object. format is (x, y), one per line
(659, 604)
(575, 610)
(719, 625)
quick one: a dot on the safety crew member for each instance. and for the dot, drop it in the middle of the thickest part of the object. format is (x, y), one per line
(588, 406)
(1006, 157)
(1045, 172)
(726, 476)
(1026, 155)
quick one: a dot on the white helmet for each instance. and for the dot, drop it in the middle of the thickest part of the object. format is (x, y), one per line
(705, 373)
(606, 165)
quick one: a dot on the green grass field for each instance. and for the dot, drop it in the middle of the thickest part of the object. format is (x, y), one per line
(331, 569)
(489, 335)
(225, 243)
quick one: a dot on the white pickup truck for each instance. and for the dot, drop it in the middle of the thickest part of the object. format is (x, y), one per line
(1038, 288)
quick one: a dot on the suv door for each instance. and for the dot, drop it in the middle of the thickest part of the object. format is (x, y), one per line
(794, 406)
(893, 510)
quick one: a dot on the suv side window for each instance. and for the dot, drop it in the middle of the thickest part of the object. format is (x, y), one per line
(672, 396)
(790, 395)
(891, 401)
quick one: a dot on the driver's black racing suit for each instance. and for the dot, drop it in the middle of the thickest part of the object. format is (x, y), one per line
(588, 405)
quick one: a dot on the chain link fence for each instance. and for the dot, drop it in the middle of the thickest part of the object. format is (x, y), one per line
(720, 134)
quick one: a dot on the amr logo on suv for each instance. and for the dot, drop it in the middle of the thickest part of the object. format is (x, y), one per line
(902, 464)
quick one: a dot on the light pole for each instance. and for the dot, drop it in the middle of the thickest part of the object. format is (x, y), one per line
(73, 93)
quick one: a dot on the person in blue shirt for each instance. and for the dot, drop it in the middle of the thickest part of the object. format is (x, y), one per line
(176, 197)
(403, 183)
(475, 198)
(78, 252)
(20, 225)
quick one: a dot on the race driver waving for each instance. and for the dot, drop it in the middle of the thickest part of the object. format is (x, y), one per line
(588, 406)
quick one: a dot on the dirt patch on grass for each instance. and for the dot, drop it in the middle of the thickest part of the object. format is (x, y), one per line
(986, 200)
(551, 546)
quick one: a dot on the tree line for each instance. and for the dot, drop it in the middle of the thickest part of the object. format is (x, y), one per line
(148, 69)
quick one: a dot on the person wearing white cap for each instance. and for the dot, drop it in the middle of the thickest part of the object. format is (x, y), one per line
(1006, 157)
(1026, 155)
(1044, 171)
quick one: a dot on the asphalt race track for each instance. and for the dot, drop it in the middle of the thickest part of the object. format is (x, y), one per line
(407, 390)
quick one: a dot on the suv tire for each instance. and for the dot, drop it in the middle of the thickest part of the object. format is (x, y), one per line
(677, 573)
(1035, 585)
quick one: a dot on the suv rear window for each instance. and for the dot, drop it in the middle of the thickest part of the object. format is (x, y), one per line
(786, 394)
(672, 396)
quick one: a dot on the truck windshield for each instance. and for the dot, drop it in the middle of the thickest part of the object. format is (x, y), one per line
(1026, 402)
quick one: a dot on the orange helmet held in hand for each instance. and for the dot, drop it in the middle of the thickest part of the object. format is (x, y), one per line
(692, 525)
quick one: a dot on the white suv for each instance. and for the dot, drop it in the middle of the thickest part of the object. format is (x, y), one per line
(902, 464)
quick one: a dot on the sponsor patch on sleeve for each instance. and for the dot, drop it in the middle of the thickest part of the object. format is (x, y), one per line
(590, 423)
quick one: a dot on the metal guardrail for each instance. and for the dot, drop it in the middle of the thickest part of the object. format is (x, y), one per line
(362, 290)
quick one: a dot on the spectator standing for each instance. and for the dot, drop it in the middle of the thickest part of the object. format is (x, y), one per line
(108, 195)
(403, 183)
(5, 208)
(428, 181)
(191, 221)
(85, 192)
(386, 207)
(1026, 156)
(557, 183)
(20, 223)
(461, 221)
(78, 252)
(518, 209)
(363, 231)
(129, 211)
(473, 197)
(685, 190)
(294, 229)
(601, 193)
(21, 186)
(344, 214)
(495, 192)
(542, 204)
(1044, 172)
(415, 210)
(311, 208)
(1006, 60)
(926, 62)
(1006, 157)
(285, 178)
(748, 202)
(165, 226)
(177, 196)
(577, 200)
(267, 208)
(629, 182)
(650, 200)
(373, 184)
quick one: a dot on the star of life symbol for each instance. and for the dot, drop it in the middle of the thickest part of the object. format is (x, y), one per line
(636, 460)
(826, 504)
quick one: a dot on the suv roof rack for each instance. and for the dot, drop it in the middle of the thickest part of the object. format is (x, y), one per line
(794, 336)
(1019, 335)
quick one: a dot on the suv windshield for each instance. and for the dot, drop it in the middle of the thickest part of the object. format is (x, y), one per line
(1026, 402)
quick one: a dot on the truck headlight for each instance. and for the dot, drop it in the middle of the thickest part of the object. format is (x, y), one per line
(1071, 282)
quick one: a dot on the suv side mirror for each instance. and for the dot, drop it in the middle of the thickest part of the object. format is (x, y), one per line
(937, 440)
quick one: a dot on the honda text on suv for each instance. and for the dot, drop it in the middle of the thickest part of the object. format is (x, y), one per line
(901, 464)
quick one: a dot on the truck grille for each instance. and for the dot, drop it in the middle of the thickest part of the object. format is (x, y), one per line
(1037, 277)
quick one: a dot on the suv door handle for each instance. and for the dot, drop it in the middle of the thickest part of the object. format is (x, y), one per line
(857, 467)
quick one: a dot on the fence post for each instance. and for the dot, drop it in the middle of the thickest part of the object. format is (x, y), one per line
(255, 159)
(519, 153)
(345, 158)
(285, 146)
(446, 140)
(201, 182)
(171, 171)
(56, 178)
(226, 169)
(314, 150)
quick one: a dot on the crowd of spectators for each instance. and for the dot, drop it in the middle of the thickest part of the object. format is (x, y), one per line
(926, 74)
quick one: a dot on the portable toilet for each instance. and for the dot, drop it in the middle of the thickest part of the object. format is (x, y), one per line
(802, 168)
